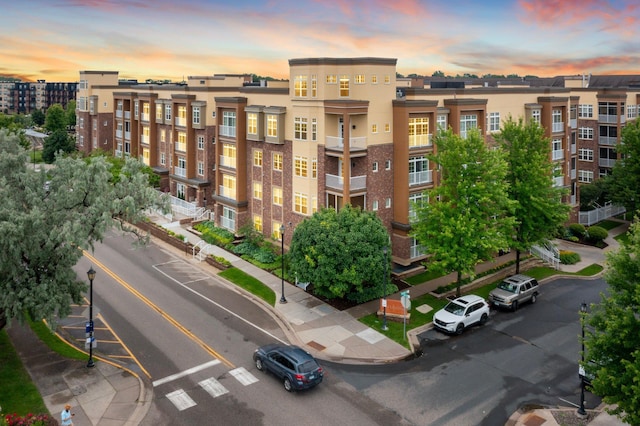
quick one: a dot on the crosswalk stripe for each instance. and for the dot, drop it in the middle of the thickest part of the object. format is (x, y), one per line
(186, 372)
(213, 387)
(181, 399)
(243, 376)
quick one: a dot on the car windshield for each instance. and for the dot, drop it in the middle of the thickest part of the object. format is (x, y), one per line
(454, 308)
(508, 287)
(308, 366)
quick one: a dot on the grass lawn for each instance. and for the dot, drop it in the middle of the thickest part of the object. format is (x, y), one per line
(622, 238)
(249, 283)
(18, 394)
(608, 224)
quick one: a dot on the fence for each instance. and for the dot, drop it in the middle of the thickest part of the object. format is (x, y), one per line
(600, 214)
(549, 254)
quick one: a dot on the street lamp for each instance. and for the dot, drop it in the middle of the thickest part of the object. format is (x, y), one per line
(384, 295)
(282, 298)
(582, 413)
(91, 274)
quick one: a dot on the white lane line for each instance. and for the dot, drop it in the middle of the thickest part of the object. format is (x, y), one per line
(180, 399)
(219, 305)
(186, 372)
(243, 376)
(213, 387)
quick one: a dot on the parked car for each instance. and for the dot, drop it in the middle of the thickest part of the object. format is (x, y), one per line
(514, 291)
(461, 313)
(293, 365)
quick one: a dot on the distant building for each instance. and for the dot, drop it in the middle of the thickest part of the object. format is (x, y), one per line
(341, 130)
(24, 97)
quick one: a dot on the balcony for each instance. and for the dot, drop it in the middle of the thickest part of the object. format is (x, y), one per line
(558, 181)
(356, 183)
(118, 113)
(226, 161)
(421, 178)
(182, 122)
(229, 131)
(418, 141)
(557, 127)
(226, 192)
(180, 171)
(606, 162)
(607, 118)
(355, 144)
(573, 148)
(607, 140)
(127, 135)
(127, 115)
(573, 123)
(144, 116)
(144, 139)
(573, 174)
(119, 134)
(181, 146)
(557, 154)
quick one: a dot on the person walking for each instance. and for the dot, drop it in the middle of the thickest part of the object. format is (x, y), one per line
(66, 415)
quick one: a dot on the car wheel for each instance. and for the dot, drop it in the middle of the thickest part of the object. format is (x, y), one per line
(534, 297)
(259, 365)
(484, 318)
(460, 328)
(287, 385)
(514, 306)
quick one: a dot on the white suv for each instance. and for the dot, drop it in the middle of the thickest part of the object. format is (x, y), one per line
(461, 313)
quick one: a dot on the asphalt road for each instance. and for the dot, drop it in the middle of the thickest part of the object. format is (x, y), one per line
(529, 357)
(192, 337)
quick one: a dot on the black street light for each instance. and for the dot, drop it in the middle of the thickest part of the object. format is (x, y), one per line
(582, 413)
(282, 298)
(91, 274)
(384, 295)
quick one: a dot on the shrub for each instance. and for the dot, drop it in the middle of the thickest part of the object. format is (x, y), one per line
(596, 234)
(214, 235)
(577, 229)
(569, 257)
(28, 420)
(573, 239)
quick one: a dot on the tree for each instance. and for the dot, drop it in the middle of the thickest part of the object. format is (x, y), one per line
(594, 194)
(70, 113)
(539, 209)
(38, 117)
(56, 118)
(437, 74)
(612, 341)
(468, 216)
(58, 141)
(624, 182)
(47, 218)
(341, 253)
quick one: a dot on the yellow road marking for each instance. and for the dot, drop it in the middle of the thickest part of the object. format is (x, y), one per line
(162, 313)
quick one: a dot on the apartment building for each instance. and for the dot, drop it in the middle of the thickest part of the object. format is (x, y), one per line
(25, 97)
(340, 130)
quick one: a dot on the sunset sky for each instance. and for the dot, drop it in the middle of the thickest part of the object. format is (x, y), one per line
(55, 39)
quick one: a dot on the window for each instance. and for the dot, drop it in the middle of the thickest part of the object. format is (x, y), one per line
(277, 196)
(557, 153)
(158, 112)
(163, 160)
(228, 158)
(585, 154)
(300, 86)
(167, 112)
(585, 176)
(252, 123)
(607, 111)
(257, 223)
(441, 122)
(374, 205)
(360, 79)
(374, 79)
(200, 168)
(314, 86)
(300, 128)
(494, 122)
(387, 79)
(467, 123)
(387, 203)
(145, 111)
(632, 111)
(257, 190)
(200, 142)
(196, 114)
(332, 79)
(535, 116)
(419, 131)
(272, 126)
(300, 204)
(275, 227)
(585, 111)
(228, 127)
(257, 158)
(82, 123)
(228, 187)
(300, 166)
(314, 129)
(228, 219)
(387, 127)
(374, 128)
(181, 119)
(375, 166)
(344, 86)
(314, 168)
(387, 165)
(163, 135)
(557, 124)
(585, 133)
(419, 172)
(415, 201)
(277, 161)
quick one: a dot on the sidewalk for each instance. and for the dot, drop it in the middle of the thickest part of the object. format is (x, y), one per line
(108, 395)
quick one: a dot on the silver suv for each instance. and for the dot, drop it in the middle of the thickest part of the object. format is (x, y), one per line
(514, 291)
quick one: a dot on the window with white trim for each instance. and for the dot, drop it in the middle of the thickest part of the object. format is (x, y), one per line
(196, 114)
(374, 205)
(300, 165)
(257, 158)
(277, 161)
(252, 123)
(415, 200)
(419, 172)
(228, 127)
(158, 112)
(419, 132)
(387, 203)
(272, 126)
(344, 86)
(332, 79)
(387, 165)
(387, 79)
(375, 166)
(387, 127)
(585, 154)
(536, 116)
(441, 122)
(300, 86)
(314, 168)
(585, 133)
(200, 142)
(300, 203)
(374, 128)
(163, 160)
(467, 123)
(167, 112)
(360, 79)
(257, 190)
(585, 176)
(257, 222)
(300, 128)
(374, 79)
(585, 111)
(200, 168)
(632, 111)
(314, 129)
(314, 85)
(277, 195)
(494, 122)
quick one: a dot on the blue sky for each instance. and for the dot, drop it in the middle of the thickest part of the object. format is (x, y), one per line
(55, 39)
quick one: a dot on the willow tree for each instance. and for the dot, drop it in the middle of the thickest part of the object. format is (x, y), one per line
(468, 217)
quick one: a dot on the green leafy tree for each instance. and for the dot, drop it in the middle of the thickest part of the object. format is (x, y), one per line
(58, 141)
(56, 118)
(612, 341)
(469, 215)
(47, 218)
(15, 125)
(437, 74)
(539, 209)
(38, 117)
(116, 164)
(594, 194)
(341, 253)
(624, 182)
(70, 113)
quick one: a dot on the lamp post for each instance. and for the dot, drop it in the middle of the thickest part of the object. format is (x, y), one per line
(91, 274)
(282, 298)
(582, 413)
(384, 292)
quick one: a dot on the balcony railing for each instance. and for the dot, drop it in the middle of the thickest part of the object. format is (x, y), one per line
(223, 191)
(416, 141)
(416, 251)
(557, 154)
(229, 162)
(558, 181)
(181, 146)
(182, 122)
(607, 140)
(127, 115)
(144, 139)
(355, 143)
(127, 135)
(573, 174)
(144, 116)
(180, 171)
(557, 127)
(229, 131)
(607, 118)
(606, 162)
(119, 134)
(573, 148)
(118, 113)
(355, 183)
(421, 178)
(573, 123)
